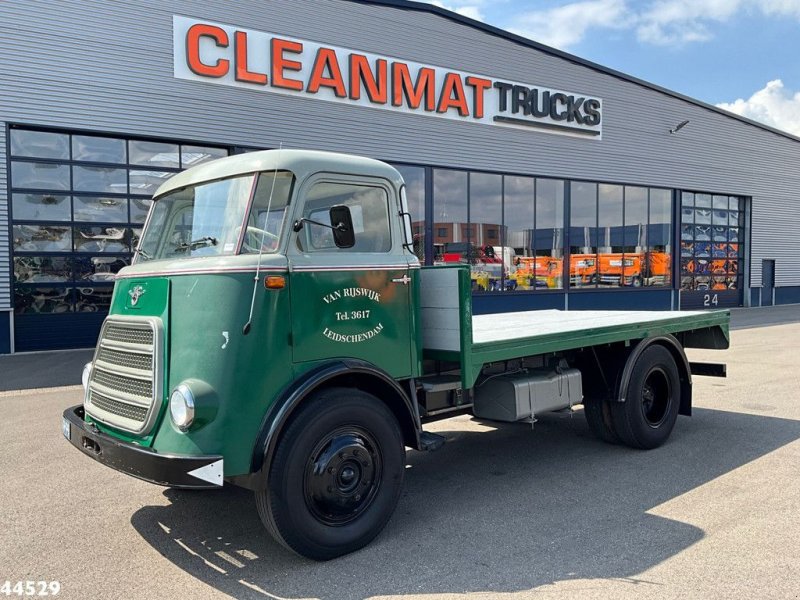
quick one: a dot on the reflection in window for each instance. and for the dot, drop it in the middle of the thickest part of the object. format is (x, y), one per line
(583, 270)
(102, 239)
(92, 148)
(139, 209)
(94, 298)
(490, 258)
(98, 269)
(99, 179)
(40, 207)
(549, 239)
(107, 210)
(39, 176)
(195, 155)
(39, 144)
(610, 260)
(42, 269)
(414, 178)
(145, 183)
(42, 238)
(450, 216)
(30, 299)
(154, 154)
(659, 239)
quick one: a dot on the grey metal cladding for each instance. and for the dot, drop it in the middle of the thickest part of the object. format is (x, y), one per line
(5, 241)
(108, 66)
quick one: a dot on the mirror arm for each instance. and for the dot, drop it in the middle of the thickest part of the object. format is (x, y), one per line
(298, 225)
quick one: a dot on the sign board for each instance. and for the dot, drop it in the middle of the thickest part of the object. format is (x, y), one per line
(236, 56)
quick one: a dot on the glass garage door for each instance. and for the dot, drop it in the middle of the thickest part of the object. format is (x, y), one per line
(78, 202)
(712, 250)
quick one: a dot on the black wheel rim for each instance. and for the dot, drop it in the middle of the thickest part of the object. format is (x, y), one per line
(656, 397)
(342, 476)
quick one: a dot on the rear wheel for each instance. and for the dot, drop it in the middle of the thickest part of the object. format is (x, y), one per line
(652, 399)
(336, 475)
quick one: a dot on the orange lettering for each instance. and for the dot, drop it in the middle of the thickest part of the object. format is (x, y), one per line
(242, 72)
(197, 66)
(413, 92)
(280, 63)
(453, 95)
(479, 92)
(361, 71)
(326, 60)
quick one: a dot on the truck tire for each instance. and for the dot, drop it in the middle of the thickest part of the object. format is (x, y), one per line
(336, 475)
(646, 418)
(598, 414)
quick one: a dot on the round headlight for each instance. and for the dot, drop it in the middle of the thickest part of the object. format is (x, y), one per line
(181, 407)
(87, 372)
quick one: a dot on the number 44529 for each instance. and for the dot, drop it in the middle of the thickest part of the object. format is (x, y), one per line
(30, 588)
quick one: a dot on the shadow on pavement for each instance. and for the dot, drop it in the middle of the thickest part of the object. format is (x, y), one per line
(750, 318)
(42, 369)
(497, 511)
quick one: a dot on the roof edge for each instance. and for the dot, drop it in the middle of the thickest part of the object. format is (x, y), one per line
(513, 37)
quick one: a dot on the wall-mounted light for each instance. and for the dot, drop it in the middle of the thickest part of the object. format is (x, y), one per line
(679, 126)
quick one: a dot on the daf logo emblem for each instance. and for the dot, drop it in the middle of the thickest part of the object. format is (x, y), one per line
(136, 293)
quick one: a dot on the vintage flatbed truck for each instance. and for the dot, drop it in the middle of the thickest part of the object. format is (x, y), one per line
(276, 332)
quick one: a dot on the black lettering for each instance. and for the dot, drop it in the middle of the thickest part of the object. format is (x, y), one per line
(504, 88)
(520, 99)
(554, 100)
(540, 109)
(574, 109)
(592, 110)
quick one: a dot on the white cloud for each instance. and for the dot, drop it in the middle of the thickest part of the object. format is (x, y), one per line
(773, 105)
(566, 25)
(466, 9)
(660, 22)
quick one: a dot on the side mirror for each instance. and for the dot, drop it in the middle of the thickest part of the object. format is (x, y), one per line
(342, 225)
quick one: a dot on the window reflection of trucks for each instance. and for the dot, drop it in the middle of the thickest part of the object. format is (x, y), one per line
(618, 269)
(238, 349)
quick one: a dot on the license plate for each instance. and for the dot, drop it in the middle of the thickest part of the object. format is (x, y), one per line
(65, 427)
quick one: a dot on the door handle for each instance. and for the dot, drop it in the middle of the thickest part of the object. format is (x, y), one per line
(405, 280)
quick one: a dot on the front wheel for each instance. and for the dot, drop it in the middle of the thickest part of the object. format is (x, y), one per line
(652, 399)
(336, 475)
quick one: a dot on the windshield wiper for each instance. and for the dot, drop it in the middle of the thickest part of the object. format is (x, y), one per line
(142, 252)
(198, 243)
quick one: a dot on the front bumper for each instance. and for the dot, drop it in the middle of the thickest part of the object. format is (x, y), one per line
(179, 471)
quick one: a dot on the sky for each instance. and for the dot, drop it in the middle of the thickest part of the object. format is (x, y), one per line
(741, 55)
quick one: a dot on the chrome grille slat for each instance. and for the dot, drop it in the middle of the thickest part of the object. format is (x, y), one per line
(118, 383)
(130, 360)
(129, 335)
(128, 411)
(124, 386)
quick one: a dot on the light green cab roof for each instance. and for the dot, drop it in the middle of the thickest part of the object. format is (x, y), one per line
(300, 162)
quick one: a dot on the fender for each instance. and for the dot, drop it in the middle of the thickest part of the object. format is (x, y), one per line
(671, 343)
(292, 396)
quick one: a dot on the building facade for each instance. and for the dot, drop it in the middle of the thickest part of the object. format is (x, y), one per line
(563, 184)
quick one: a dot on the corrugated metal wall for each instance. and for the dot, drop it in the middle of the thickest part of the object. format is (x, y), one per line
(107, 65)
(5, 241)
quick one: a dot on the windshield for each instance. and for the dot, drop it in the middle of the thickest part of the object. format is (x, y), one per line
(207, 219)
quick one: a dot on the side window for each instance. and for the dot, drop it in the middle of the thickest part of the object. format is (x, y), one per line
(369, 208)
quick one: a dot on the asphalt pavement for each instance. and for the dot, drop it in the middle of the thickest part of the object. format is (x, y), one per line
(501, 511)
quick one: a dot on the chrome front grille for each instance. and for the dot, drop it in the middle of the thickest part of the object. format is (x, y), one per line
(124, 387)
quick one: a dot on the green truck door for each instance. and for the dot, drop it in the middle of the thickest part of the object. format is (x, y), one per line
(351, 302)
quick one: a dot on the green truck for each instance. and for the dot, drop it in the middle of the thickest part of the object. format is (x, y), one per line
(276, 332)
